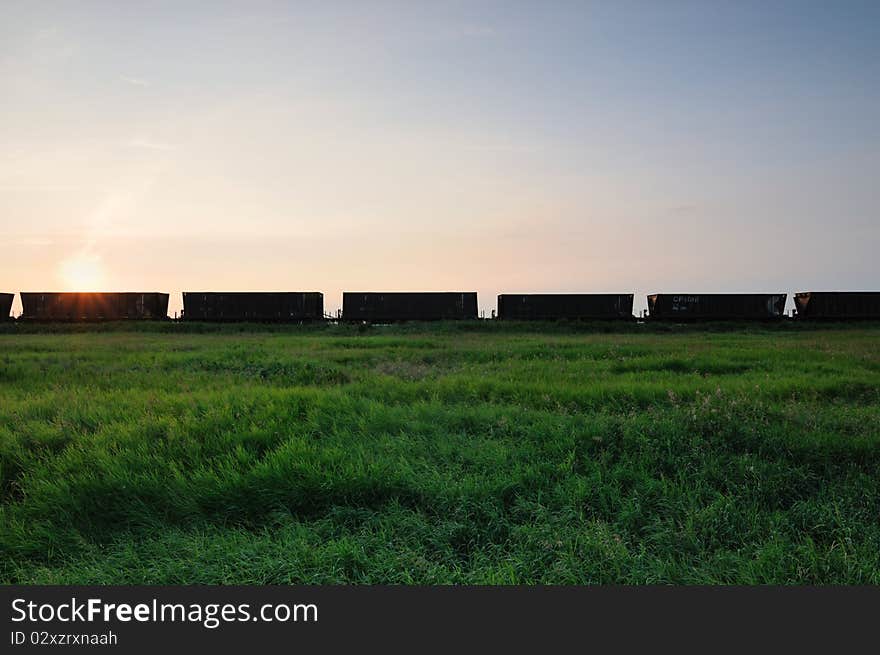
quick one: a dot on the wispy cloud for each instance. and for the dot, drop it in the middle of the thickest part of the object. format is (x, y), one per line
(463, 31)
(49, 187)
(46, 33)
(476, 31)
(683, 209)
(149, 144)
(32, 241)
(135, 81)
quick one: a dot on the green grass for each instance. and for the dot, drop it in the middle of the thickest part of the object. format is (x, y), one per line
(481, 454)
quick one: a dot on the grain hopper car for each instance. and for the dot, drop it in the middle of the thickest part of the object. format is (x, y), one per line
(838, 305)
(260, 307)
(390, 307)
(6, 306)
(81, 306)
(565, 306)
(716, 306)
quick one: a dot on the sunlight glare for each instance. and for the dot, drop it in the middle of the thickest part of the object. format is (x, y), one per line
(82, 273)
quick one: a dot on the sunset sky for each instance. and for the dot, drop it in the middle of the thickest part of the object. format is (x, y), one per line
(488, 146)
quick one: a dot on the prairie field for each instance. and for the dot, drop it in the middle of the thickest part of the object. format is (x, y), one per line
(430, 454)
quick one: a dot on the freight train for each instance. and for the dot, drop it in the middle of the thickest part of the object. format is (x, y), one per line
(46, 306)
(6, 306)
(837, 305)
(260, 307)
(565, 306)
(717, 306)
(389, 307)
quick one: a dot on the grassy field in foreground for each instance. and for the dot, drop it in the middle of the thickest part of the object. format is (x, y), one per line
(432, 454)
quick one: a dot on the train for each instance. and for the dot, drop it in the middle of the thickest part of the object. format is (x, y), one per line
(717, 306)
(106, 306)
(6, 306)
(846, 305)
(260, 307)
(564, 306)
(393, 307)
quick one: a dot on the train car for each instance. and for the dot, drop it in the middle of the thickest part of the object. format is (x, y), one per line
(6, 306)
(842, 305)
(390, 307)
(78, 306)
(567, 306)
(716, 306)
(257, 306)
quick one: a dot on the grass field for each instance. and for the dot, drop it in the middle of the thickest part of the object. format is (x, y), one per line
(440, 454)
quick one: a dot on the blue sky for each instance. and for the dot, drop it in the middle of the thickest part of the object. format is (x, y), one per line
(496, 146)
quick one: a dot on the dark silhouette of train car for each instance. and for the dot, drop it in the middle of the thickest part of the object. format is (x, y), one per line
(76, 306)
(257, 306)
(6, 306)
(716, 306)
(838, 304)
(568, 306)
(389, 307)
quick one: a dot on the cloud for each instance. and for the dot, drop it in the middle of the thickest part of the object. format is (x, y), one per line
(463, 31)
(149, 144)
(135, 81)
(47, 187)
(476, 31)
(46, 33)
(32, 241)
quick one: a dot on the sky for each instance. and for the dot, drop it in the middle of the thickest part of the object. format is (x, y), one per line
(491, 146)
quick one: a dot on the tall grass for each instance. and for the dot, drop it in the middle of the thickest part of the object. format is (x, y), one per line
(440, 454)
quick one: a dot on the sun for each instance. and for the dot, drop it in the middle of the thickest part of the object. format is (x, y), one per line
(82, 273)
